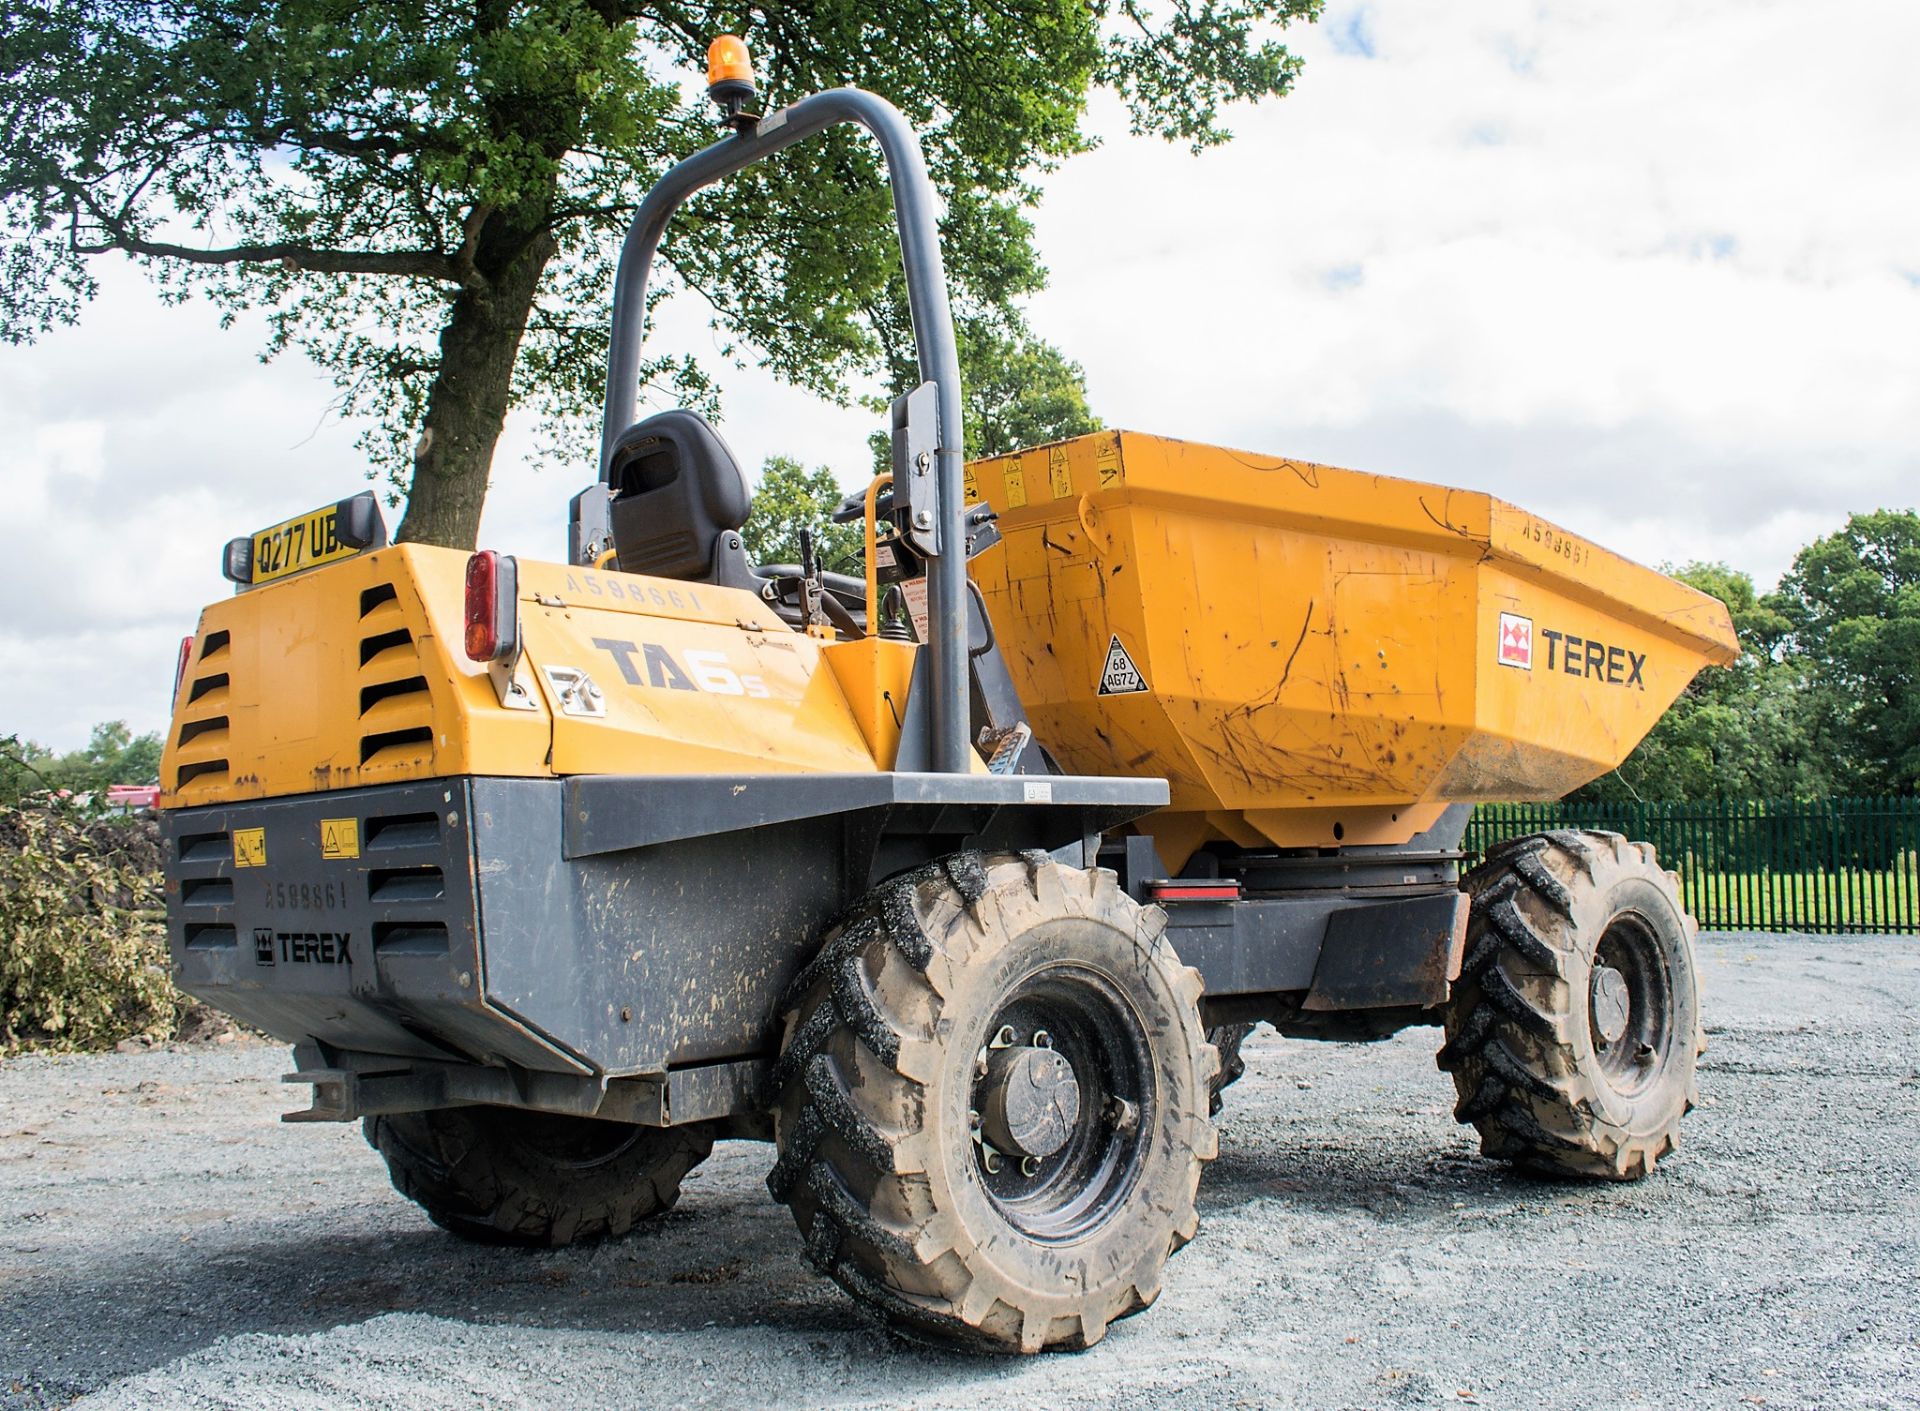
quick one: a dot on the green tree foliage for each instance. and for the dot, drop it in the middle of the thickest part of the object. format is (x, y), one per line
(20, 765)
(425, 196)
(1750, 731)
(1021, 393)
(790, 498)
(1852, 608)
(113, 755)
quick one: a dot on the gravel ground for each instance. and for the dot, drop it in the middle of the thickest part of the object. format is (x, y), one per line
(164, 1242)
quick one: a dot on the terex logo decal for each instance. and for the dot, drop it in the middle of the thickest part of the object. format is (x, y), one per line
(657, 667)
(1594, 661)
(301, 947)
(1516, 641)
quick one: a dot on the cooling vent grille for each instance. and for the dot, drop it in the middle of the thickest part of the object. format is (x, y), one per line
(396, 709)
(200, 748)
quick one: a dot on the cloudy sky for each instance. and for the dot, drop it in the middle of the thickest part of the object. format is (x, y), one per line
(1650, 271)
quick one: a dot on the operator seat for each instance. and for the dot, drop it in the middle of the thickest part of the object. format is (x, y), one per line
(679, 502)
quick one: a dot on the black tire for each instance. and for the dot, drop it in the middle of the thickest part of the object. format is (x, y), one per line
(1226, 1039)
(503, 1175)
(883, 1077)
(1573, 1031)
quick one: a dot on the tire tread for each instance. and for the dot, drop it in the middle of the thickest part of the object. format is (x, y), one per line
(838, 1165)
(1517, 1065)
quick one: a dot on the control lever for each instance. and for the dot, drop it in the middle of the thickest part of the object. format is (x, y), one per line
(811, 592)
(893, 616)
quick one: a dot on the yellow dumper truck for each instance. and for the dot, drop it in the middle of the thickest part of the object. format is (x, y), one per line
(960, 882)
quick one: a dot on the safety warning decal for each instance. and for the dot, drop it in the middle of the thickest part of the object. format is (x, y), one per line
(1059, 474)
(914, 590)
(1121, 677)
(1016, 483)
(1106, 459)
(1516, 641)
(249, 847)
(339, 838)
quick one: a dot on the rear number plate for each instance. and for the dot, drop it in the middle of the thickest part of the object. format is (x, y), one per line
(299, 544)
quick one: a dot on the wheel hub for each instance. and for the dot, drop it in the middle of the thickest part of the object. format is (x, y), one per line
(1030, 1101)
(1611, 1004)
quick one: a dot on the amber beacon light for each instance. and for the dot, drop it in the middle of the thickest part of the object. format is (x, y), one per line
(730, 73)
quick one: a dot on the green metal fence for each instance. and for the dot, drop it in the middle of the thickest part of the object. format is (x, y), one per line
(1759, 865)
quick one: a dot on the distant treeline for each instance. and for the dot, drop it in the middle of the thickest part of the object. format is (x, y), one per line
(1823, 700)
(114, 755)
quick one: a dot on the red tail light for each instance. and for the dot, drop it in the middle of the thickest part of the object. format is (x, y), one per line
(180, 663)
(492, 610)
(1195, 889)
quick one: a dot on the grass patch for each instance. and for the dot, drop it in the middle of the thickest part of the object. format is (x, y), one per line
(1848, 899)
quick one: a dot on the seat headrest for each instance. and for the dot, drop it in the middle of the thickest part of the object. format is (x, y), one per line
(652, 455)
(676, 490)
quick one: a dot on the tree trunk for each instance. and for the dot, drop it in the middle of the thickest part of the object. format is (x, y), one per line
(468, 402)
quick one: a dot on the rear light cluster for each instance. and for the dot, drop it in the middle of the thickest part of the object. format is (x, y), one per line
(493, 619)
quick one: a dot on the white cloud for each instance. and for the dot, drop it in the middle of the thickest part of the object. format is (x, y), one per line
(1652, 272)
(1647, 272)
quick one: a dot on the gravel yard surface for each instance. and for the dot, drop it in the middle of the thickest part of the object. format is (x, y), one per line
(165, 1242)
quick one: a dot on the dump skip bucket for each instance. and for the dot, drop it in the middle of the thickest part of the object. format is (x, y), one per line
(1316, 657)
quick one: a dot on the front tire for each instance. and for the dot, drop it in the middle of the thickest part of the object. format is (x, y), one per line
(502, 1175)
(992, 1103)
(1573, 1030)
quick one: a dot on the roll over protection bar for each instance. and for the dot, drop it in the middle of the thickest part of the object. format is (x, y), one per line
(914, 209)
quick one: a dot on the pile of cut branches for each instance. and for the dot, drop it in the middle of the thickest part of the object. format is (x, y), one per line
(83, 951)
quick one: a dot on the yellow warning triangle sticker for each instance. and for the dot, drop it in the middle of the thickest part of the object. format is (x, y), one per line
(339, 838)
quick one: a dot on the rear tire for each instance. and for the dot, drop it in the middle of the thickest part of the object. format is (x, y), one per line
(1226, 1039)
(502, 1175)
(902, 1040)
(1573, 1030)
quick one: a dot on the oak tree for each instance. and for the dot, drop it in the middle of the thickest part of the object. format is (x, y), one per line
(425, 197)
